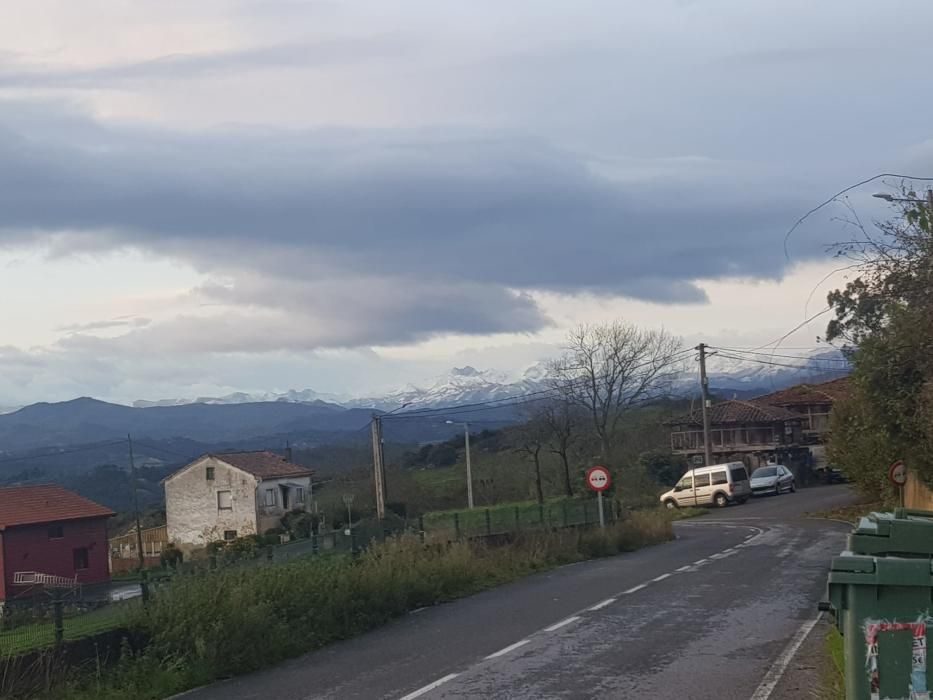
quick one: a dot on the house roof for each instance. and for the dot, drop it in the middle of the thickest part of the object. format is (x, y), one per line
(45, 503)
(804, 394)
(737, 412)
(265, 465)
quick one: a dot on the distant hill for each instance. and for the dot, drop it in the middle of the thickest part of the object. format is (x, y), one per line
(88, 420)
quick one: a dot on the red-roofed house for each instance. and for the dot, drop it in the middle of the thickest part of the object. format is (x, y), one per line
(49, 530)
(814, 402)
(225, 496)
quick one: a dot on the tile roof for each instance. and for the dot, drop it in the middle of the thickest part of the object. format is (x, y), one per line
(737, 412)
(45, 503)
(265, 465)
(802, 394)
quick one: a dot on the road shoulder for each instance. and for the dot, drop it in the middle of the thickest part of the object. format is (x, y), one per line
(811, 674)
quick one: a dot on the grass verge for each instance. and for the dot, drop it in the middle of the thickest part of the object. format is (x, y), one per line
(216, 625)
(850, 513)
(834, 682)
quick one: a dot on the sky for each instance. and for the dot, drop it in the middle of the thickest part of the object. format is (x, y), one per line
(258, 195)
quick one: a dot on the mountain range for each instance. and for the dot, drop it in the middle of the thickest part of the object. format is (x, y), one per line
(304, 418)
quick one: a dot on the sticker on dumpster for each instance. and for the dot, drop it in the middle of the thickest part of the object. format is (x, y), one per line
(918, 667)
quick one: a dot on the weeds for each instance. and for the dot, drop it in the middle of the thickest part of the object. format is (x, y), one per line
(216, 625)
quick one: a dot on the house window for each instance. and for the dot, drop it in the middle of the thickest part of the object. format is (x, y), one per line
(299, 495)
(270, 499)
(229, 535)
(209, 473)
(80, 558)
(56, 532)
(224, 500)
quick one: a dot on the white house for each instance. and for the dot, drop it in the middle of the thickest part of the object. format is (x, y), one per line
(225, 496)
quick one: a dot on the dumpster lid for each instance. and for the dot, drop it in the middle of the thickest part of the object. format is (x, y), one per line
(855, 563)
(903, 532)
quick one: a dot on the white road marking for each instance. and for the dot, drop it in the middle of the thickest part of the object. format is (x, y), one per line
(683, 568)
(603, 604)
(774, 674)
(700, 562)
(635, 588)
(562, 623)
(506, 650)
(661, 577)
(429, 687)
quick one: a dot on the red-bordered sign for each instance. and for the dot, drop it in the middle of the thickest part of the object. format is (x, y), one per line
(598, 479)
(897, 473)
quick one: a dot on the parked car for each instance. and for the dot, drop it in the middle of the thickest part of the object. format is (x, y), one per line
(772, 480)
(719, 485)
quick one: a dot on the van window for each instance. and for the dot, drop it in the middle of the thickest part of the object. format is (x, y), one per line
(738, 474)
(702, 480)
(720, 478)
(685, 483)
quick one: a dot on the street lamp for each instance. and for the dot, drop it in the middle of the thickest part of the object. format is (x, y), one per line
(911, 200)
(469, 471)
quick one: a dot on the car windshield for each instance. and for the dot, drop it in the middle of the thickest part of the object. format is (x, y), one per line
(764, 472)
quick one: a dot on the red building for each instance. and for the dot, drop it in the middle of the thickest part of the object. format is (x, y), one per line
(49, 530)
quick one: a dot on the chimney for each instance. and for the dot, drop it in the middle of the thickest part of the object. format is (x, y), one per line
(288, 452)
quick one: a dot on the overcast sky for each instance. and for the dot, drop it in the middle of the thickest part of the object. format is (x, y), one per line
(197, 198)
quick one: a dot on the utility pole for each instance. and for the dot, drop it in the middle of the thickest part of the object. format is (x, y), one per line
(704, 387)
(469, 475)
(379, 474)
(469, 469)
(144, 587)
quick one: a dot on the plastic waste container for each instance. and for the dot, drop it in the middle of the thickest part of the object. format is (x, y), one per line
(881, 590)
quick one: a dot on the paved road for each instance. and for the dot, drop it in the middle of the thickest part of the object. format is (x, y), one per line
(702, 617)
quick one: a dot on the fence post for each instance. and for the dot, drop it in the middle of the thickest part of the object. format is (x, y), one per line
(421, 527)
(563, 512)
(315, 549)
(457, 526)
(353, 542)
(488, 523)
(518, 519)
(58, 620)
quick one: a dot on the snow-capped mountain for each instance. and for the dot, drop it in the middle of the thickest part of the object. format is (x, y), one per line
(742, 374)
(459, 386)
(290, 396)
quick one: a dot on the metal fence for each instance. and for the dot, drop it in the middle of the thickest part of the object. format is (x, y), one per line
(44, 621)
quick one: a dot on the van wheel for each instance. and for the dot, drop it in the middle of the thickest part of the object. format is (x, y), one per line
(670, 504)
(720, 500)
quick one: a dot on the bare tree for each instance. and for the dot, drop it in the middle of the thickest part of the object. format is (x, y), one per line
(562, 420)
(608, 369)
(531, 439)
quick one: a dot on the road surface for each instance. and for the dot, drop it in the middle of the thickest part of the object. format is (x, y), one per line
(705, 616)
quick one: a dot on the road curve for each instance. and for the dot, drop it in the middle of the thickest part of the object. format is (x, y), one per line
(704, 616)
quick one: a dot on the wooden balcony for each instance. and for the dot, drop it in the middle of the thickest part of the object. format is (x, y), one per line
(725, 440)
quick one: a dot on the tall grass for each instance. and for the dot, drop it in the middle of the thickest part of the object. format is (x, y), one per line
(215, 625)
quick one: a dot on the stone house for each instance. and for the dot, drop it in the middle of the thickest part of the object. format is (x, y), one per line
(225, 496)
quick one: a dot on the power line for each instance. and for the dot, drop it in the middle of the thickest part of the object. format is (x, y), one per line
(839, 194)
(741, 351)
(781, 364)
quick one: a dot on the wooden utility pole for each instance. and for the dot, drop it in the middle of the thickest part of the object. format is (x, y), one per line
(379, 473)
(143, 584)
(704, 388)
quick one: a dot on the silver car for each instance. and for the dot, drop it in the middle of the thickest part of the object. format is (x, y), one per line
(773, 480)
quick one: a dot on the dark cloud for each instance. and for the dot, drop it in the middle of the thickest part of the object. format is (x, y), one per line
(381, 236)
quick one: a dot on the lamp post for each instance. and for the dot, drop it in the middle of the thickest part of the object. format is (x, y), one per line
(469, 471)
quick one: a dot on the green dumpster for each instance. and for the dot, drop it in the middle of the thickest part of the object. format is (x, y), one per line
(881, 590)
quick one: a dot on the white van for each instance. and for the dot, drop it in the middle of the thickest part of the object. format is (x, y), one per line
(719, 485)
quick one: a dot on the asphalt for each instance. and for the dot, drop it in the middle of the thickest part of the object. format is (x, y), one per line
(704, 616)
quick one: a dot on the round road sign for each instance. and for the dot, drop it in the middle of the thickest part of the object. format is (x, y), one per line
(598, 479)
(897, 473)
